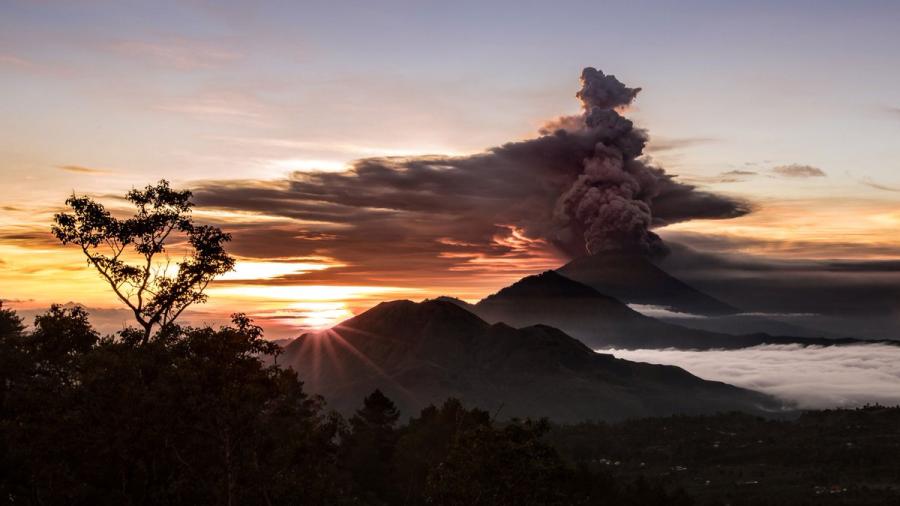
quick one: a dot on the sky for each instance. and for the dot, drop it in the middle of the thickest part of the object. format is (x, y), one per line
(790, 107)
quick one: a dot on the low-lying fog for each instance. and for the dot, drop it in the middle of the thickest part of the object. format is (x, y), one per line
(812, 377)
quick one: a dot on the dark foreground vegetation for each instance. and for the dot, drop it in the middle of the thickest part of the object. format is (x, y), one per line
(193, 416)
(849, 456)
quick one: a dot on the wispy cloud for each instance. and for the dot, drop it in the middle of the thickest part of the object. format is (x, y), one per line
(178, 53)
(32, 67)
(659, 144)
(878, 186)
(812, 377)
(798, 171)
(733, 176)
(79, 169)
(345, 148)
(30, 236)
(57, 68)
(15, 61)
(14, 301)
(219, 105)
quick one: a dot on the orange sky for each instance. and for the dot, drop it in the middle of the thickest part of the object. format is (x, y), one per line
(37, 272)
(97, 98)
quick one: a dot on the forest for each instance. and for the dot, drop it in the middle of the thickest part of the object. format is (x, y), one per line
(196, 416)
(193, 416)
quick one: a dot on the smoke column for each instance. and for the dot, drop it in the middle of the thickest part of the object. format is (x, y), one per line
(610, 202)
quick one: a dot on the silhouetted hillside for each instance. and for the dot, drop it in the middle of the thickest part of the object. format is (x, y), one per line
(194, 417)
(421, 353)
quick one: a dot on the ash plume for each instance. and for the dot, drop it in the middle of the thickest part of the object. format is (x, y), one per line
(611, 203)
(581, 186)
(600, 91)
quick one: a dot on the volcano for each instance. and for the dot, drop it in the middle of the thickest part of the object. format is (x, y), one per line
(601, 321)
(634, 279)
(421, 353)
(596, 319)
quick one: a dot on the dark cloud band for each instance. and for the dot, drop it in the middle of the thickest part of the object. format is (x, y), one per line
(581, 186)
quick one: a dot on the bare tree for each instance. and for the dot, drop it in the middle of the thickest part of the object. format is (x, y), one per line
(132, 256)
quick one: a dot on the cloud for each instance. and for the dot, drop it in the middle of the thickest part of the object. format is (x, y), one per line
(78, 169)
(734, 176)
(847, 298)
(601, 91)
(798, 171)
(579, 186)
(27, 235)
(691, 250)
(664, 312)
(15, 61)
(878, 186)
(811, 377)
(32, 67)
(15, 301)
(657, 145)
(178, 53)
(111, 320)
(731, 176)
(219, 105)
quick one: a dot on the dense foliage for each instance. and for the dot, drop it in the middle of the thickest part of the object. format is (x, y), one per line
(193, 416)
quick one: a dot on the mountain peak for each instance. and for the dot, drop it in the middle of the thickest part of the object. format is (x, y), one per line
(635, 279)
(420, 353)
(406, 314)
(545, 284)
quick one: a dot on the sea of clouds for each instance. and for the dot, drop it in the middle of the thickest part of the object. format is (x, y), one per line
(811, 377)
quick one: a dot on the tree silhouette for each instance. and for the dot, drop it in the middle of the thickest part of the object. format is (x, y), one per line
(132, 254)
(367, 450)
(378, 414)
(10, 323)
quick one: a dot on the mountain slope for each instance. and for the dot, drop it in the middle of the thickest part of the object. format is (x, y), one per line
(422, 353)
(636, 280)
(601, 321)
(590, 316)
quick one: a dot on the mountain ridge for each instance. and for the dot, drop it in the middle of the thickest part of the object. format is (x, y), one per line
(422, 353)
(588, 315)
(602, 321)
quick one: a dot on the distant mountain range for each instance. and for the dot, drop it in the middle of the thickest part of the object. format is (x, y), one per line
(512, 354)
(601, 321)
(636, 280)
(422, 353)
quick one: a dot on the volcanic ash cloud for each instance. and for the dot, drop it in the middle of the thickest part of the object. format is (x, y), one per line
(581, 186)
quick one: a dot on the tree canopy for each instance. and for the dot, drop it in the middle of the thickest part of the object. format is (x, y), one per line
(133, 254)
